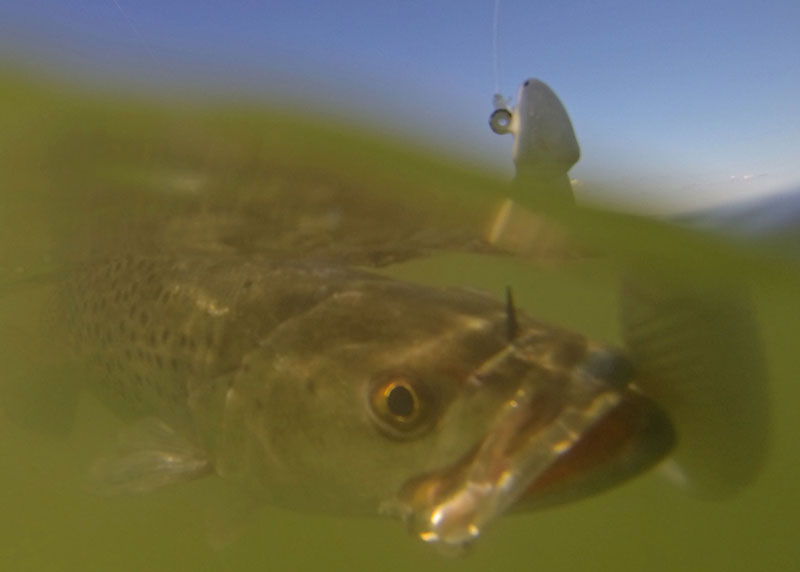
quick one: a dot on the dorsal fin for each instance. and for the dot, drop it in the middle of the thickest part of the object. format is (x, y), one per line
(512, 326)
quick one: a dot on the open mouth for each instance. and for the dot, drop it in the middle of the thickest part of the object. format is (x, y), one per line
(541, 450)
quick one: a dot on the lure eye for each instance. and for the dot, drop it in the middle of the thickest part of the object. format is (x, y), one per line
(400, 406)
(500, 121)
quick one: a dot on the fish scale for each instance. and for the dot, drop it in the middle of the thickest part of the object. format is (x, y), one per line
(124, 324)
(151, 327)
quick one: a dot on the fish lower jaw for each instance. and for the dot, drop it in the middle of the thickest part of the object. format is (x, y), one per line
(450, 508)
(587, 447)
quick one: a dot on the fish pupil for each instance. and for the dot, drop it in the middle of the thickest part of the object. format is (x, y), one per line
(400, 401)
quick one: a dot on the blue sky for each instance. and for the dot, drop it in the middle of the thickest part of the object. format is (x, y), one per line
(681, 103)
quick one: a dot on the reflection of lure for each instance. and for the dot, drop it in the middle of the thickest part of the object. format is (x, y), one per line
(545, 147)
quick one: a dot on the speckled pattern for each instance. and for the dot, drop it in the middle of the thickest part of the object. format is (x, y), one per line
(149, 325)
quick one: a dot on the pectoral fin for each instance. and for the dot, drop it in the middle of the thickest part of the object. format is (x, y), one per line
(150, 455)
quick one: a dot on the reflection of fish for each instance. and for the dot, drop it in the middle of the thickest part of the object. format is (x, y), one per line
(330, 389)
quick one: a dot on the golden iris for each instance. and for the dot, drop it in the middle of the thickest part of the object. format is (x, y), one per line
(400, 406)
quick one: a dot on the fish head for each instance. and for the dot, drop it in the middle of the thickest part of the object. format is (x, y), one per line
(427, 404)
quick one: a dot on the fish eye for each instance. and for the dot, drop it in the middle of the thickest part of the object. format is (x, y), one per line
(400, 406)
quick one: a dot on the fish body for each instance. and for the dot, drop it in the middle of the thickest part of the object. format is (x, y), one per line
(330, 389)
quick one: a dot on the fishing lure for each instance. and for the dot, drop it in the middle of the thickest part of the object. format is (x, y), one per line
(545, 147)
(544, 138)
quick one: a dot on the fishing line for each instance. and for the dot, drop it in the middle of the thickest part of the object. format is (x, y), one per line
(495, 51)
(500, 120)
(135, 30)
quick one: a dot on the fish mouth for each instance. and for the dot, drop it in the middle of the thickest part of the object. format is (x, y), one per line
(541, 450)
(630, 439)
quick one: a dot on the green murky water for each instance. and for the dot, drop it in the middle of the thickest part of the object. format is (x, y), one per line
(51, 522)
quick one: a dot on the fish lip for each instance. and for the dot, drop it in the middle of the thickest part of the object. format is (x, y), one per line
(623, 434)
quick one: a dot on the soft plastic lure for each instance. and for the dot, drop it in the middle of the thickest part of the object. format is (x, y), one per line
(543, 133)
